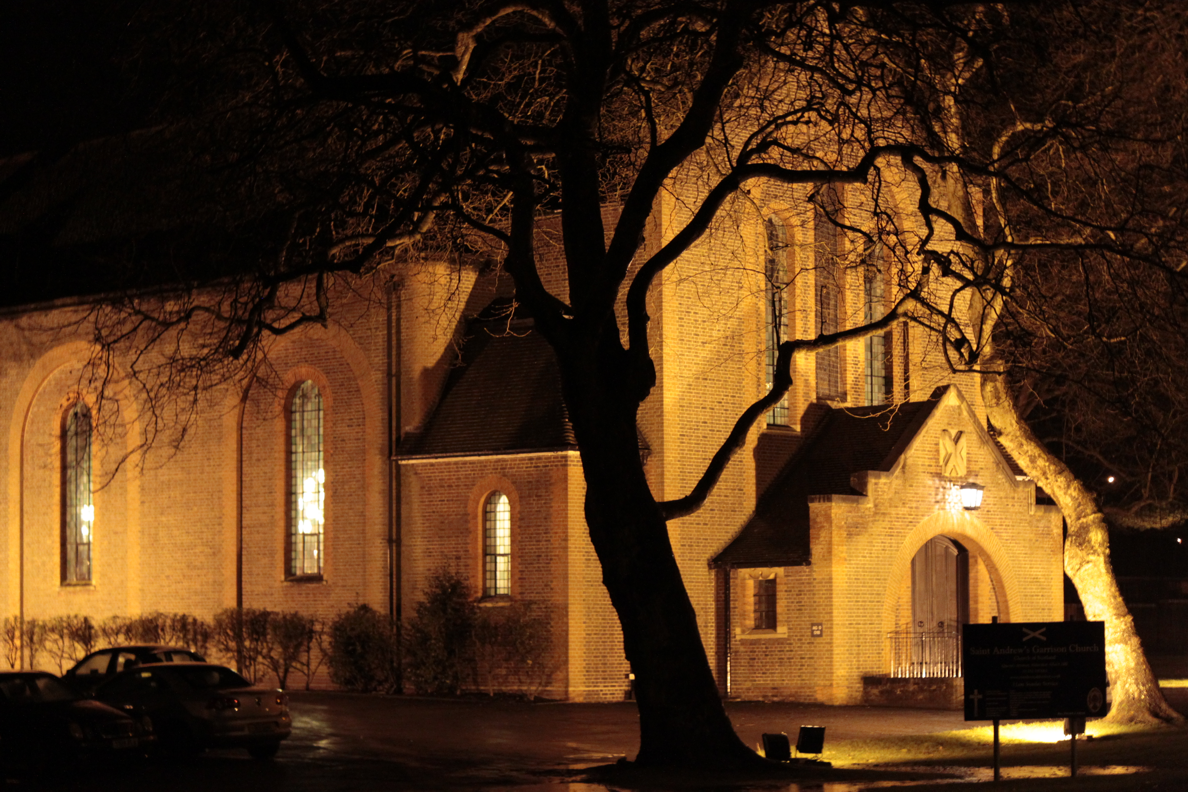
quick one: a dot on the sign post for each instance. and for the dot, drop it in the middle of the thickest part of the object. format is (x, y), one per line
(1045, 670)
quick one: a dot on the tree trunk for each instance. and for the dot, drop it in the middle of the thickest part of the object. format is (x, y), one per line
(1135, 691)
(682, 719)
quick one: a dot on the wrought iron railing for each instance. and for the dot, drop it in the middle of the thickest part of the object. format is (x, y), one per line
(917, 654)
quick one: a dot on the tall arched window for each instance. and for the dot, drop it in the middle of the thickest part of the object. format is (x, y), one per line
(828, 293)
(307, 483)
(776, 307)
(497, 546)
(78, 508)
(877, 370)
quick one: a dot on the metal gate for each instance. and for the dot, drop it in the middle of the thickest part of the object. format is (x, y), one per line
(917, 654)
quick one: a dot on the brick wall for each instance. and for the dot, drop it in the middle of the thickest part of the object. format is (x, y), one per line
(552, 564)
(858, 585)
(167, 530)
(167, 519)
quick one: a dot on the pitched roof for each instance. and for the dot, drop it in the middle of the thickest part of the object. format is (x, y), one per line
(126, 213)
(504, 397)
(843, 442)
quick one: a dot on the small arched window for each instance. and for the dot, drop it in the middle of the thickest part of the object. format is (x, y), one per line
(497, 546)
(307, 483)
(78, 507)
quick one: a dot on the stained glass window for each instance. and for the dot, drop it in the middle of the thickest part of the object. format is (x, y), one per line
(828, 295)
(497, 546)
(876, 364)
(78, 507)
(307, 487)
(776, 308)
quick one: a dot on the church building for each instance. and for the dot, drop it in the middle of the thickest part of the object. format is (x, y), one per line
(869, 516)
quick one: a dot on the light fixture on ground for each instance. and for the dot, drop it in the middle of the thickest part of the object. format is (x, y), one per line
(971, 496)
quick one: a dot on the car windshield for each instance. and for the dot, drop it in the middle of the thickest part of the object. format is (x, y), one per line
(211, 677)
(34, 688)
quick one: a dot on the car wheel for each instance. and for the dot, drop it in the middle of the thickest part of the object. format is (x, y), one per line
(264, 750)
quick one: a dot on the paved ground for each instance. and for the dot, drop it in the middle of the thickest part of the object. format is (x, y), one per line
(347, 743)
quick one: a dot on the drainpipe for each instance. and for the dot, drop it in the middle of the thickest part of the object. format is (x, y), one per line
(21, 535)
(726, 622)
(395, 588)
(247, 389)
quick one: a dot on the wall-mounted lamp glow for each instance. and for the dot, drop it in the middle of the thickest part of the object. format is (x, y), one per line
(971, 496)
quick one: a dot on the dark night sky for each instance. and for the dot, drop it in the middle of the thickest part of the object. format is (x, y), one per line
(1153, 553)
(60, 78)
(62, 81)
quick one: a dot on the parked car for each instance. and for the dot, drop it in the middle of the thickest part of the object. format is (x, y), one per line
(195, 706)
(98, 666)
(44, 725)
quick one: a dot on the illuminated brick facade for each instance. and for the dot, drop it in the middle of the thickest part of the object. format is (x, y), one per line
(203, 527)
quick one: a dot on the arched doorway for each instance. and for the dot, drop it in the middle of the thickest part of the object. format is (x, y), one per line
(940, 585)
(940, 605)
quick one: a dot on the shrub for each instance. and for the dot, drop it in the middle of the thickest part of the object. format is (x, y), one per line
(290, 636)
(513, 648)
(170, 629)
(315, 651)
(114, 630)
(362, 651)
(439, 651)
(83, 634)
(12, 643)
(68, 638)
(181, 629)
(242, 635)
(147, 628)
(34, 639)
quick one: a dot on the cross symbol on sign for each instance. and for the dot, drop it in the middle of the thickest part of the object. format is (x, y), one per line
(977, 699)
(1037, 634)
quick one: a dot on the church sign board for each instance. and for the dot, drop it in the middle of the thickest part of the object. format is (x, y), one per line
(1034, 670)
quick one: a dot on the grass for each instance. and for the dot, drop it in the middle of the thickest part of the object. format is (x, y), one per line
(1034, 756)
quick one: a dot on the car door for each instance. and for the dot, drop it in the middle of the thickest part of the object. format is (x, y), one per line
(124, 660)
(146, 691)
(91, 670)
(142, 691)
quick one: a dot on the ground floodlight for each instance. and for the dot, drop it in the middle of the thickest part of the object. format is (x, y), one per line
(776, 748)
(811, 740)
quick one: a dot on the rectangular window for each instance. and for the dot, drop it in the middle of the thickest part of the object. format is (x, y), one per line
(764, 605)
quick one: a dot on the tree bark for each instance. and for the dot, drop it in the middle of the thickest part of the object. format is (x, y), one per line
(682, 719)
(1136, 694)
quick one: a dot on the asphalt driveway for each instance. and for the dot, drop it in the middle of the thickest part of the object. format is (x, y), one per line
(346, 742)
(350, 743)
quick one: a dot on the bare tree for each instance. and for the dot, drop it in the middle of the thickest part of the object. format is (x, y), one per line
(1073, 272)
(379, 134)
